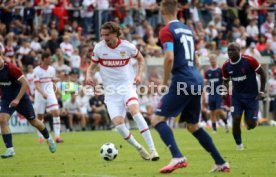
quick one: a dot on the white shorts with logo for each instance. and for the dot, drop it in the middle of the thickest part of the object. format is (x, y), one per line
(117, 103)
(49, 104)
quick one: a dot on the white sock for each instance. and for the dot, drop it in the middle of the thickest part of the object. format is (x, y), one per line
(124, 132)
(56, 122)
(127, 125)
(144, 130)
(11, 148)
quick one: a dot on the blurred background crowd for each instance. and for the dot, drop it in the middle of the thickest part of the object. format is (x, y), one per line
(69, 29)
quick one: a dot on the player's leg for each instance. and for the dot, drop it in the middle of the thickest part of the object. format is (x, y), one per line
(213, 116)
(223, 115)
(237, 110)
(26, 109)
(164, 110)
(251, 113)
(40, 136)
(131, 101)
(6, 134)
(40, 108)
(191, 115)
(143, 127)
(117, 113)
(53, 107)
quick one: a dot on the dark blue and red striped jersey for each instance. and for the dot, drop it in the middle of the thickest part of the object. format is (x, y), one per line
(214, 77)
(9, 76)
(184, 69)
(243, 75)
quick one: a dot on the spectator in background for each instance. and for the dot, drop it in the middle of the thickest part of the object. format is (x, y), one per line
(29, 16)
(252, 31)
(43, 34)
(260, 46)
(252, 51)
(24, 55)
(99, 112)
(211, 31)
(267, 24)
(76, 60)
(83, 101)
(35, 45)
(72, 109)
(152, 48)
(66, 47)
(53, 43)
(268, 52)
(87, 13)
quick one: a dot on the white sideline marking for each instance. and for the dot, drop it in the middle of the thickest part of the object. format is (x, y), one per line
(73, 174)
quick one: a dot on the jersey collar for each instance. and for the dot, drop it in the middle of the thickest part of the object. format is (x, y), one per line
(118, 43)
(173, 21)
(233, 63)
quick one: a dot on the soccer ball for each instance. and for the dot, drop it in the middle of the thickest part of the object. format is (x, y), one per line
(108, 151)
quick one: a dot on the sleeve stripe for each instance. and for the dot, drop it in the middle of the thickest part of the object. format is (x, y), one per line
(95, 61)
(136, 54)
(258, 67)
(20, 77)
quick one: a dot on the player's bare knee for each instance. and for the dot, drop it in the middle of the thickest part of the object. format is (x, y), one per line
(118, 120)
(133, 109)
(156, 120)
(192, 127)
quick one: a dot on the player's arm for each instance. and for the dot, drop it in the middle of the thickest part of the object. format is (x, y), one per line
(16, 73)
(89, 74)
(262, 74)
(167, 41)
(256, 66)
(225, 82)
(168, 62)
(40, 90)
(141, 66)
(24, 86)
(92, 69)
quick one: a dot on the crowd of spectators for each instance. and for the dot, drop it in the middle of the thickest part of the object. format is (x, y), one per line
(69, 29)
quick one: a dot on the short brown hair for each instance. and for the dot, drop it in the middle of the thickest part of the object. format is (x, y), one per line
(112, 27)
(169, 6)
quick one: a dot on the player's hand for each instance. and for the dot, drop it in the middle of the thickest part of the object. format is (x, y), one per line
(260, 96)
(91, 81)
(14, 103)
(45, 96)
(137, 80)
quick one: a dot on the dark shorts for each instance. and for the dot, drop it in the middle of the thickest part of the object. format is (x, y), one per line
(172, 105)
(249, 106)
(25, 107)
(215, 103)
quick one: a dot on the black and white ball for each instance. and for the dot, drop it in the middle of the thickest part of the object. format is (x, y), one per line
(109, 151)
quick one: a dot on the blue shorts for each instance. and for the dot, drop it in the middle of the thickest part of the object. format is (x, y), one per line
(249, 106)
(172, 105)
(24, 107)
(215, 103)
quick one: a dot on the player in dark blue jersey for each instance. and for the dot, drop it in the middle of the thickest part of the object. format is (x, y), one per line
(13, 85)
(213, 77)
(241, 70)
(184, 92)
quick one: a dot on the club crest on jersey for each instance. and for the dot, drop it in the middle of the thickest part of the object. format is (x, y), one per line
(123, 54)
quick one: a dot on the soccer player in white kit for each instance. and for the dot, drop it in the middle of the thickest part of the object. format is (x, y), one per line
(113, 55)
(45, 97)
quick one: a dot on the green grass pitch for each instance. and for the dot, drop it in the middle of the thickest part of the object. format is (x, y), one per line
(79, 156)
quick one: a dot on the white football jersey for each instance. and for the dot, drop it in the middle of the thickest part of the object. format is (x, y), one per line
(115, 66)
(45, 77)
